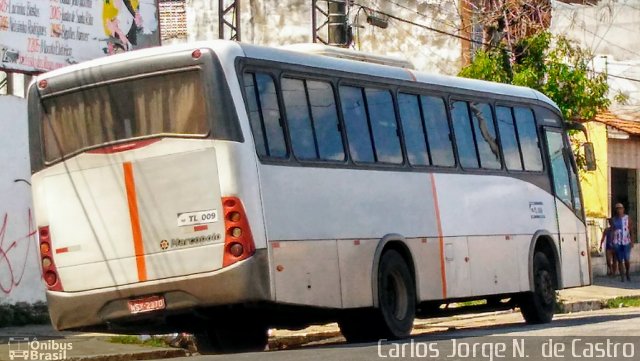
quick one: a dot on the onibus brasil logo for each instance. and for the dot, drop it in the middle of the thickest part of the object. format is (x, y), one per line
(24, 348)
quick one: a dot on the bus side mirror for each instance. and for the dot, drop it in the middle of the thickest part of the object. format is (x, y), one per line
(589, 157)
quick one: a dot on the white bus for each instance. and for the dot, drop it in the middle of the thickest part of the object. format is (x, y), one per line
(223, 188)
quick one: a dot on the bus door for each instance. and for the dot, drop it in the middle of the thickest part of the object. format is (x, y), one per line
(568, 207)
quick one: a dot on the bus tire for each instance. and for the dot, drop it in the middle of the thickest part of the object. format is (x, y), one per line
(538, 306)
(393, 319)
(232, 339)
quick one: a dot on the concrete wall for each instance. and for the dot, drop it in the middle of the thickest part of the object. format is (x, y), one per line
(605, 27)
(271, 22)
(609, 30)
(20, 278)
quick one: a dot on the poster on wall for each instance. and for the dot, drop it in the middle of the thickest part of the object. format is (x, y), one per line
(42, 35)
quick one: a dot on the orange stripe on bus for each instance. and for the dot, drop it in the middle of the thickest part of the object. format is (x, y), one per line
(443, 273)
(132, 199)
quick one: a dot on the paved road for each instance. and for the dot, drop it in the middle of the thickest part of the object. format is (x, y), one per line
(605, 335)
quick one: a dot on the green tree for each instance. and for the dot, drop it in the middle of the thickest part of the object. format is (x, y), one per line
(552, 65)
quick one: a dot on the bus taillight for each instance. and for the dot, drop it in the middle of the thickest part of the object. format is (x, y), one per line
(238, 242)
(49, 272)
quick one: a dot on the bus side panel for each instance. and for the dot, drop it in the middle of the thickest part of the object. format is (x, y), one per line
(494, 264)
(523, 249)
(585, 267)
(426, 260)
(307, 273)
(304, 203)
(499, 215)
(307, 204)
(457, 272)
(356, 257)
(476, 205)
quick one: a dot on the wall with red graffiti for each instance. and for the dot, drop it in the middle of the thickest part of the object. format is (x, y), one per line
(20, 276)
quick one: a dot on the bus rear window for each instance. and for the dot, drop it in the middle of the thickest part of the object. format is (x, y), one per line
(168, 104)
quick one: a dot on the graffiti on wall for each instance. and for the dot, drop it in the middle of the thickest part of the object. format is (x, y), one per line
(20, 270)
(16, 254)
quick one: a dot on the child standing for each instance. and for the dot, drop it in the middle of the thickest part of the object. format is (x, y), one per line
(607, 238)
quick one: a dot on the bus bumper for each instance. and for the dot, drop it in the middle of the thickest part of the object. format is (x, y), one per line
(245, 281)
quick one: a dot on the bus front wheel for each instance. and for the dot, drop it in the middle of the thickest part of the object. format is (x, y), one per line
(538, 305)
(393, 319)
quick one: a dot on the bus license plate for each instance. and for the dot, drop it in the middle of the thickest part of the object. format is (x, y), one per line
(147, 304)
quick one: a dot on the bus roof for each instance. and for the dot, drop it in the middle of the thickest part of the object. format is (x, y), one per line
(343, 53)
(233, 49)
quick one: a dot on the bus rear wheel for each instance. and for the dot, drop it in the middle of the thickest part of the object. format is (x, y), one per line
(538, 306)
(232, 339)
(393, 319)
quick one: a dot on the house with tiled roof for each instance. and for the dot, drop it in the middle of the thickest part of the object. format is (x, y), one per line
(616, 138)
(605, 28)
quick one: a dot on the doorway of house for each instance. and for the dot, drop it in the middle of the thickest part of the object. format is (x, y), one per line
(624, 188)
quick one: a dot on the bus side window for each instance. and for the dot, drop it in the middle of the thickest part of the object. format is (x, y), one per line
(303, 140)
(325, 120)
(559, 167)
(528, 137)
(384, 126)
(357, 127)
(464, 135)
(485, 133)
(508, 138)
(313, 120)
(264, 115)
(434, 112)
(413, 129)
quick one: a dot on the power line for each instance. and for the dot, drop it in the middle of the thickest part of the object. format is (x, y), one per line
(422, 14)
(618, 76)
(422, 25)
(584, 27)
(462, 37)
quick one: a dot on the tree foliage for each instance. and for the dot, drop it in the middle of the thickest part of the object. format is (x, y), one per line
(552, 65)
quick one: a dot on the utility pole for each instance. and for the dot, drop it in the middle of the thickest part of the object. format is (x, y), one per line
(229, 18)
(333, 16)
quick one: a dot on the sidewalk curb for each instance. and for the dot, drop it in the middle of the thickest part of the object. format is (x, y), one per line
(582, 306)
(134, 356)
(587, 305)
(284, 342)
